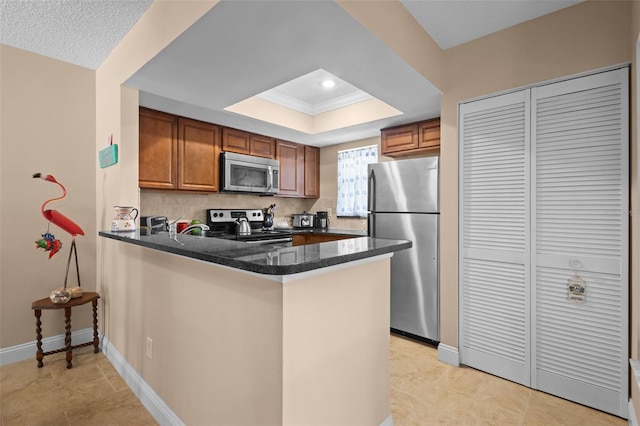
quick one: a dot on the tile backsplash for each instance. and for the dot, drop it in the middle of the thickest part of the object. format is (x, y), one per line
(194, 206)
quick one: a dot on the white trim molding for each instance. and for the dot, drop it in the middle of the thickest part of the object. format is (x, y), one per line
(388, 421)
(448, 354)
(635, 376)
(152, 402)
(28, 350)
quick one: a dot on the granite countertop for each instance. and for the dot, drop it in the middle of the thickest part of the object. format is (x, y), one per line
(263, 259)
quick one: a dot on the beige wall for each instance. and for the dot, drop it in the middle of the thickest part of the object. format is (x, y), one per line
(47, 125)
(225, 322)
(336, 346)
(117, 114)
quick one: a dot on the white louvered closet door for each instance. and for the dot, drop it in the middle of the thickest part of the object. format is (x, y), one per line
(494, 224)
(580, 227)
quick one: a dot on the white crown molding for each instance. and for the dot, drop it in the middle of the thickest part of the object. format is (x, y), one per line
(306, 108)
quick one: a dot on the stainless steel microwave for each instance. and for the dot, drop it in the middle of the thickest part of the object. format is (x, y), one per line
(247, 173)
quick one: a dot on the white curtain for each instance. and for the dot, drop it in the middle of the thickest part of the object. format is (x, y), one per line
(352, 180)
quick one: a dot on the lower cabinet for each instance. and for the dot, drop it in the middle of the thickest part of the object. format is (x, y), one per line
(311, 238)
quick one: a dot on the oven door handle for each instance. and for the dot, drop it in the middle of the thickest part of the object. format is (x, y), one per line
(271, 241)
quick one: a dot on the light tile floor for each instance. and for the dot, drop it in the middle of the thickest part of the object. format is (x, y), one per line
(90, 393)
(424, 391)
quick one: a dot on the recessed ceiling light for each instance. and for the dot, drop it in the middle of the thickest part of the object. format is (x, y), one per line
(328, 84)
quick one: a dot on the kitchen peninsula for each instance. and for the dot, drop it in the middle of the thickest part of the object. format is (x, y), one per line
(261, 335)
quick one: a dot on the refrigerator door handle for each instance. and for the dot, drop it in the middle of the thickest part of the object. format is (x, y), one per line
(371, 202)
(372, 191)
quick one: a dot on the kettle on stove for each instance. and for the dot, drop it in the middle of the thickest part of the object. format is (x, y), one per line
(267, 217)
(242, 226)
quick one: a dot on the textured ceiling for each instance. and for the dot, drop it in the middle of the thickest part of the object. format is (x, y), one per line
(82, 32)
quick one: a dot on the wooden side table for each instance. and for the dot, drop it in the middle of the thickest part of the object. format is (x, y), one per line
(46, 303)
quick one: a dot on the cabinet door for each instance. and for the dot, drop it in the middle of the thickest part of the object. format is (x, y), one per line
(311, 172)
(429, 134)
(235, 141)
(291, 157)
(262, 146)
(323, 238)
(198, 153)
(158, 156)
(399, 139)
(299, 240)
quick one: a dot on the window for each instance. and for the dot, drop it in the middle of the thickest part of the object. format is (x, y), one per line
(352, 180)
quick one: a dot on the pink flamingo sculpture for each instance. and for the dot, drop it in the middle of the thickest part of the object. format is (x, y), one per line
(63, 222)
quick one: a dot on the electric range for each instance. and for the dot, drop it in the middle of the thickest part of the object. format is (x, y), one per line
(222, 224)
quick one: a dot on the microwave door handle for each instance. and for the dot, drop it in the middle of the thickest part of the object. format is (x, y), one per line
(270, 179)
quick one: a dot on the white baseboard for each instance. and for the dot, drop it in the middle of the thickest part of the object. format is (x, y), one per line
(448, 354)
(28, 350)
(633, 421)
(388, 421)
(152, 402)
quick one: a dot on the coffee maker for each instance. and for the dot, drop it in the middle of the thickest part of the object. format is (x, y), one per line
(321, 220)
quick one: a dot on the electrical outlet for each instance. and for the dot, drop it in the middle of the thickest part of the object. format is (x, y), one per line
(149, 348)
(329, 211)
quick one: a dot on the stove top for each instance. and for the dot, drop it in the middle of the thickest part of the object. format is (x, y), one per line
(260, 235)
(222, 224)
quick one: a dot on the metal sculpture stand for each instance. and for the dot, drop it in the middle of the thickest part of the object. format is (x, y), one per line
(75, 253)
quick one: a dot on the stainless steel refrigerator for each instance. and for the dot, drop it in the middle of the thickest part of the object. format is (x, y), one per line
(404, 204)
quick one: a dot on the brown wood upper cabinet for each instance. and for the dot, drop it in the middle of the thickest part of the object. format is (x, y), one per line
(409, 139)
(177, 152)
(242, 142)
(299, 170)
(311, 172)
(158, 145)
(184, 154)
(291, 158)
(198, 153)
